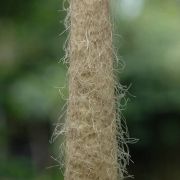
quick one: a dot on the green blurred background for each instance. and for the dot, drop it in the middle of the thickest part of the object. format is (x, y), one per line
(147, 38)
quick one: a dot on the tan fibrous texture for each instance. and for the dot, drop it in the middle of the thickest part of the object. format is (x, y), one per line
(94, 140)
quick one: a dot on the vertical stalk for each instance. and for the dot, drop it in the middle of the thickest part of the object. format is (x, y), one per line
(91, 147)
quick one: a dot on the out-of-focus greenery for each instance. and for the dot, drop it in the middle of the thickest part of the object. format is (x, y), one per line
(30, 77)
(150, 47)
(31, 47)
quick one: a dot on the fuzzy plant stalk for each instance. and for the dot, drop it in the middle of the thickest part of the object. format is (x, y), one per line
(91, 148)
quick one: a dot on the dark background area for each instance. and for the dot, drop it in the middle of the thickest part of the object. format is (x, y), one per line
(147, 37)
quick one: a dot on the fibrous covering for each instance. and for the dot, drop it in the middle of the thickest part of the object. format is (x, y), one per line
(94, 136)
